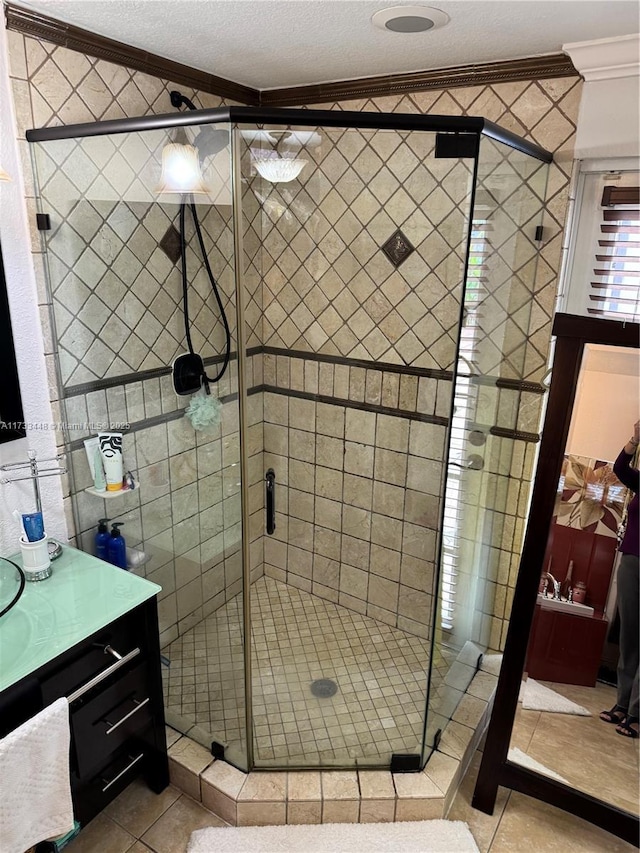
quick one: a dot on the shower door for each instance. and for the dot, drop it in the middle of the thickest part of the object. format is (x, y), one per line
(354, 271)
(494, 426)
(112, 256)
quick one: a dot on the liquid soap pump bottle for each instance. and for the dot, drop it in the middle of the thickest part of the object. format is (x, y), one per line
(116, 548)
(102, 539)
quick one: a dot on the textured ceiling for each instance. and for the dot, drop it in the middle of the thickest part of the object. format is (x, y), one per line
(272, 43)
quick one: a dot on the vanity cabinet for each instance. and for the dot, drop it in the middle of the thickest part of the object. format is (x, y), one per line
(117, 719)
(112, 679)
(565, 648)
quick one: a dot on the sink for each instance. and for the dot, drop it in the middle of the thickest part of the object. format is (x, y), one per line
(10, 585)
(17, 631)
(564, 606)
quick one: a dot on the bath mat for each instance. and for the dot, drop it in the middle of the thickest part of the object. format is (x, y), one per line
(519, 757)
(537, 697)
(425, 836)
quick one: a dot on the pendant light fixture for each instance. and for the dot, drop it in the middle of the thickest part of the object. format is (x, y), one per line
(268, 162)
(181, 171)
(280, 170)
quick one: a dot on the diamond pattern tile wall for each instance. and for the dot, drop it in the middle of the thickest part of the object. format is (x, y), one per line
(328, 287)
(544, 111)
(106, 261)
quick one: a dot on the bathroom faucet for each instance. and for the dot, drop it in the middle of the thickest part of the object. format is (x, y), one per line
(556, 585)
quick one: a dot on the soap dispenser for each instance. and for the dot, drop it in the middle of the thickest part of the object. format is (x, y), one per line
(102, 539)
(116, 548)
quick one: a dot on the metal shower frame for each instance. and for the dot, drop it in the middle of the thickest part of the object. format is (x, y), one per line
(462, 126)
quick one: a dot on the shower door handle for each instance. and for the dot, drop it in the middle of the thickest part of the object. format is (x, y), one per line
(270, 479)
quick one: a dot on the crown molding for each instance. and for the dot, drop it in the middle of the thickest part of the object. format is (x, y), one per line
(34, 24)
(40, 26)
(532, 68)
(606, 59)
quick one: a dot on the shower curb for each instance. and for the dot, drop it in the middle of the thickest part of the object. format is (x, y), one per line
(262, 798)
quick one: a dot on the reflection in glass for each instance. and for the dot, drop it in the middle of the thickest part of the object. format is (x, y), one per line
(570, 671)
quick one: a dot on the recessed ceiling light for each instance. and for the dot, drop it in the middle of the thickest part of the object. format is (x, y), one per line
(409, 19)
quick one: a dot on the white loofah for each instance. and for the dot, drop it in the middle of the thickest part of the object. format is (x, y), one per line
(204, 411)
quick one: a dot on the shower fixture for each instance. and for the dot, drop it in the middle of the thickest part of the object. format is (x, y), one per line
(181, 160)
(210, 140)
(188, 370)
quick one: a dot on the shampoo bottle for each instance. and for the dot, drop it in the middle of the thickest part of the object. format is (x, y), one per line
(116, 548)
(101, 540)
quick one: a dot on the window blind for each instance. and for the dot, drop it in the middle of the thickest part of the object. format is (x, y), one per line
(464, 408)
(615, 286)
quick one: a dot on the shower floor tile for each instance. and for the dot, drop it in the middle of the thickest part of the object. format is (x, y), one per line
(297, 638)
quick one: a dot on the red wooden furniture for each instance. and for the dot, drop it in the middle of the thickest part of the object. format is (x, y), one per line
(563, 647)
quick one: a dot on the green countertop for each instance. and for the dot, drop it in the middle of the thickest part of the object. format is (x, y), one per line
(82, 596)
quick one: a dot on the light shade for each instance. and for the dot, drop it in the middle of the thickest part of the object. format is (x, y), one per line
(180, 170)
(280, 171)
(3, 175)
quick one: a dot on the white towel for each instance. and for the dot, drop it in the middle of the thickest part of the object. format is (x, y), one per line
(35, 786)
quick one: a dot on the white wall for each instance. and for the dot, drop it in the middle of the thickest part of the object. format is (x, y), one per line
(27, 332)
(606, 410)
(609, 118)
(607, 151)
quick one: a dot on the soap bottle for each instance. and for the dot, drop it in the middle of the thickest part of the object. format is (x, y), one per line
(116, 548)
(101, 539)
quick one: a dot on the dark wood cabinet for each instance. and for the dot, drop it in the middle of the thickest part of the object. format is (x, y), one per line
(565, 648)
(116, 711)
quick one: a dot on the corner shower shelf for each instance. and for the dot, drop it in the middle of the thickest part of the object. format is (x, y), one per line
(109, 496)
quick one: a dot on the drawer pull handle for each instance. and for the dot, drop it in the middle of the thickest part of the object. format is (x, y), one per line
(122, 772)
(126, 716)
(102, 675)
(109, 650)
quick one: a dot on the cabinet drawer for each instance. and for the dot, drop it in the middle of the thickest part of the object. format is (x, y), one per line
(109, 719)
(93, 794)
(91, 658)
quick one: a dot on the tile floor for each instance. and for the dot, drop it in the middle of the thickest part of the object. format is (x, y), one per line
(139, 821)
(583, 750)
(380, 672)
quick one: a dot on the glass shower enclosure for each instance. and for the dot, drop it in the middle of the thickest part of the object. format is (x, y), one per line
(331, 544)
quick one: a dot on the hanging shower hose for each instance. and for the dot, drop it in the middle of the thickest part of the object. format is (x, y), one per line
(185, 289)
(178, 100)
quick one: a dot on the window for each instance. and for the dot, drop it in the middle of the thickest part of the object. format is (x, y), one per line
(601, 275)
(615, 284)
(456, 504)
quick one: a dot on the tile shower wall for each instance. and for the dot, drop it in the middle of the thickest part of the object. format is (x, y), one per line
(357, 515)
(544, 112)
(52, 84)
(328, 287)
(107, 257)
(359, 484)
(332, 292)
